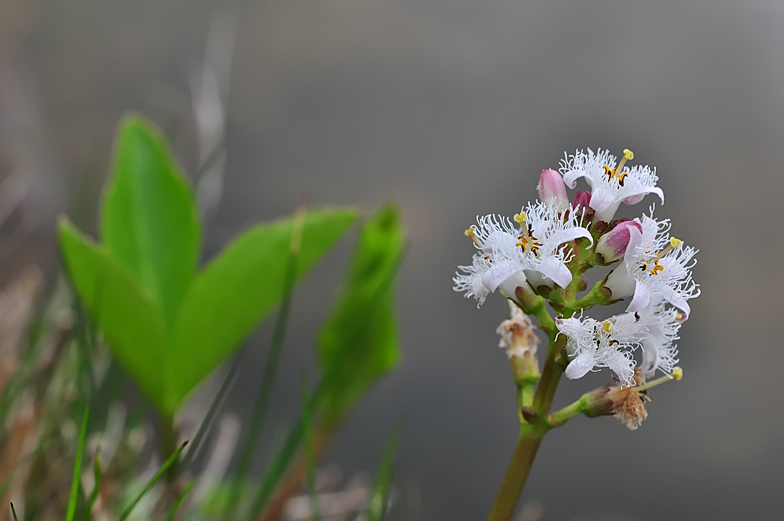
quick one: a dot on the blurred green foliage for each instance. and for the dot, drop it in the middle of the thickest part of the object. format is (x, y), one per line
(170, 323)
(166, 323)
(359, 343)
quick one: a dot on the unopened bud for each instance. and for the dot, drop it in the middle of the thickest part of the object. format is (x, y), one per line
(581, 202)
(612, 244)
(552, 190)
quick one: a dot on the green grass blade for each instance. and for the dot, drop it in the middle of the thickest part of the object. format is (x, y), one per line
(377, 506)
(282, 460)
(69, 516)
(96, 487)
(331, 375)
(270, 369)
(212, 411)
(277, 469)
(169, 462)
(180, 499)
(310, 456)
(13, 511)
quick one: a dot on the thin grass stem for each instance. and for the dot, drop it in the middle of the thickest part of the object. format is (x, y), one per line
(270, 369)
(96, 487)
(377, 507)
(209, 417)
(310, 457)
(180, 499)
(169, 462)
(74, 498)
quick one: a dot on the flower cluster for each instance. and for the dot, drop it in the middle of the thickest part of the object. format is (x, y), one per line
(541, 253)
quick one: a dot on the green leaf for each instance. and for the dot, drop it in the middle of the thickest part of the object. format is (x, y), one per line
(359, 343)
(125, 311)
(238, 289)
(150, 221)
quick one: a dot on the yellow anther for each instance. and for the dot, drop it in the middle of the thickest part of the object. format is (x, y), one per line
(520, 217)
(607, 327)
(628, 154)
(677, 373)
(678, 316)
(471, 232)
(675, 243)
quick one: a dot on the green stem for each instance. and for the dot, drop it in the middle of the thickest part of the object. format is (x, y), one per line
(570, 411)
(517, 473)
(551, 375)
(169, 437)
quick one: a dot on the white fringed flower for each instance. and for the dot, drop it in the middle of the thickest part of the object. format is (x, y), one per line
(470, 280)
(609, 343)
(655, 267)
(659, 351)
(508, 250)
(610, 184)
(549, 231)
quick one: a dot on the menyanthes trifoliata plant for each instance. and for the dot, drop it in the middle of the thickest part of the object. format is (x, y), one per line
(540, 255)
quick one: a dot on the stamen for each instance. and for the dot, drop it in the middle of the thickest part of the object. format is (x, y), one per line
(471, 232)
(674, 243)
(526, 238)
(627, 154)
(677, 374)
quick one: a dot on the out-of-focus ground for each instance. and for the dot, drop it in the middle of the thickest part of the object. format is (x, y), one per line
(452, 108)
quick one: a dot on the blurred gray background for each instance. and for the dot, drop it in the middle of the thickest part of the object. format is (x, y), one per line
(452, 108)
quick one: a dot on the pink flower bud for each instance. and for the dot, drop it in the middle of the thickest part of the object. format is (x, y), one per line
(613, 244)
(580, 204)
(552, 190)
(581, 200)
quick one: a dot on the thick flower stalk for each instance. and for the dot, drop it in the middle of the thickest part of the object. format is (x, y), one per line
(537, 259)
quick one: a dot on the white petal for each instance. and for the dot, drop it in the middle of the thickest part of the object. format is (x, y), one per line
(580, 366)
(570, 178)
(500, 271)
(636, 198)
(642, 297)
(635, 240)
(620, 282)
(557, 271)
(510, 285)
(570, 234)
(677, 300)
(601, 199)
(622, 364)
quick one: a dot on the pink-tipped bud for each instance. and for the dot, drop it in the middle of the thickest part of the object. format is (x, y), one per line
(613, 244)
(580, 205)
(552, 190)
